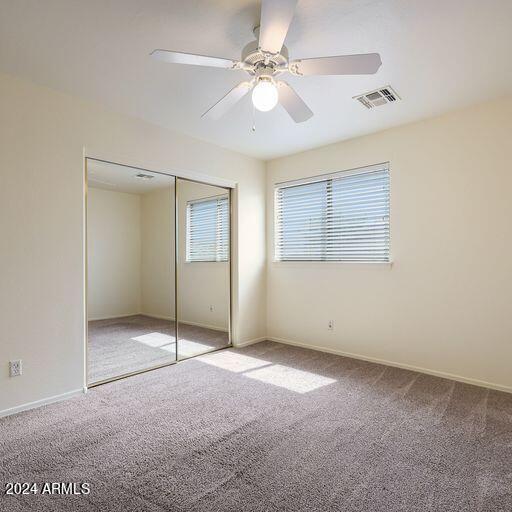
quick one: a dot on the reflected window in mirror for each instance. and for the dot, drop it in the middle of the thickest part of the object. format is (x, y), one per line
(207, 229)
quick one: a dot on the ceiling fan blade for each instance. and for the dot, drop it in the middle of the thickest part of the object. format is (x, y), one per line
(360, 64)
(276, 16)
(192, 59)
(228, 101)
(293, 103)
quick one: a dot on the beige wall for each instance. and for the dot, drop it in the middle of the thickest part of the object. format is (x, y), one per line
(444, 304)
(130, 242)
(114, 254)
(157, 266)
(43, 137)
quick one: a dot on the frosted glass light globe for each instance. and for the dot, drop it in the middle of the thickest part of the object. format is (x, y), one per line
(264, 95)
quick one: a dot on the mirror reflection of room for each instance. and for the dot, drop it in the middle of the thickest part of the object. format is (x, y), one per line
(203, 268)
(130, 252)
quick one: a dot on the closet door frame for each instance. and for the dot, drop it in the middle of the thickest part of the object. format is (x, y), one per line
(188, 176)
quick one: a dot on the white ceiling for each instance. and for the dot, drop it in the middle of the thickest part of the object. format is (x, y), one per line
(438, 54)
(121, 178)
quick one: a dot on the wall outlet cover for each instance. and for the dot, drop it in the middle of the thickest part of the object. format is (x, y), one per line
(15, 368)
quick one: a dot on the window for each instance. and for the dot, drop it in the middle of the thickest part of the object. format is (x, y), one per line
(339, 217)
(208, 229)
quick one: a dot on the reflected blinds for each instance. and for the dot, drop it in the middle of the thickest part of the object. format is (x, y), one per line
(208, 229)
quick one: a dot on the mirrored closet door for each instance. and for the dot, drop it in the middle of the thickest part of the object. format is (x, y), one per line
(203, 267)
(158, 270)
(130, 271)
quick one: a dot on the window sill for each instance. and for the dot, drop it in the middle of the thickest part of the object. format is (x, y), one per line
(382, 264)
(207, 261)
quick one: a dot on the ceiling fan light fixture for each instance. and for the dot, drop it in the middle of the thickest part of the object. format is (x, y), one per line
(265, 95)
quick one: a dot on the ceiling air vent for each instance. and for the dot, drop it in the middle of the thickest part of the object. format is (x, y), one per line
(144, 176)
(378, 97)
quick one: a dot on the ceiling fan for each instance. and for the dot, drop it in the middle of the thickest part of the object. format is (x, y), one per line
(266, 59)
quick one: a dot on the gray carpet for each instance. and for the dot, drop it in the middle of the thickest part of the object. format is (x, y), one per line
(268, 428)
(122, 345)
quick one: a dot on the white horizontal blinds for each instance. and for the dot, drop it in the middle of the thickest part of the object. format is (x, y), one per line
(301, 221)
(342, 218)
(208, 229)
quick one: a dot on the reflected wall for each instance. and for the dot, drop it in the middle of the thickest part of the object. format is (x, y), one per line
(203, 270)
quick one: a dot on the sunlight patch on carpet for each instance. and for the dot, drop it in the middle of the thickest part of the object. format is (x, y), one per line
(186, 348)
(155, 339)
(290, 378)
(233, 361)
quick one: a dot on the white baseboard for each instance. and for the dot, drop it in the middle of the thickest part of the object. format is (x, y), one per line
(112, 317)
(428, 371)
(196, 324)
(142, 313)
(205, 326)
(249, 342)
(160, 317)
(157, 317)
(39, 403)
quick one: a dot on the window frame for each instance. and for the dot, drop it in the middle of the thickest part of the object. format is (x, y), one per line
(384, 166)
(215, 198)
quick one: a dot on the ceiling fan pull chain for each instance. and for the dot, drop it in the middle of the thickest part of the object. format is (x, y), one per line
(253, 118)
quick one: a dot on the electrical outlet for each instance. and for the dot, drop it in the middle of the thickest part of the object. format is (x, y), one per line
(330, 325)
(211, 307)
(15, 368)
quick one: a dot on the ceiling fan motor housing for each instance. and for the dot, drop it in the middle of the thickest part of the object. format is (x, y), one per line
(256, 58)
